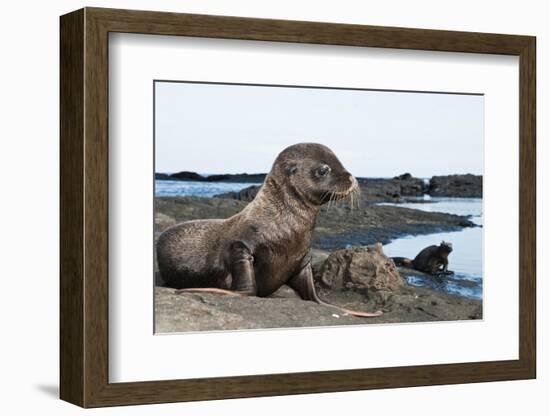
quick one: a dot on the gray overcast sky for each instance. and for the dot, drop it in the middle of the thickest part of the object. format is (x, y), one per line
(212, 128)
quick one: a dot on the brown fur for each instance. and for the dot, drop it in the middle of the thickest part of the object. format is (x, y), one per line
(266, 245)
(433, 259)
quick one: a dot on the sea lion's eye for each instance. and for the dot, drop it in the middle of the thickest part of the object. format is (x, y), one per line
(324, 170)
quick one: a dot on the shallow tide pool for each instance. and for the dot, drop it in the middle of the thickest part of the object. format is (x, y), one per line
(466, 260)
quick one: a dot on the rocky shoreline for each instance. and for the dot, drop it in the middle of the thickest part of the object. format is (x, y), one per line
(209, 312)
(464, 186)
(349, 265)
(362, 278)
(362, 283)
(395, 189)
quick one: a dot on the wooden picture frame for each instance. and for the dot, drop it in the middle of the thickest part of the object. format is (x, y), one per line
(84, 207)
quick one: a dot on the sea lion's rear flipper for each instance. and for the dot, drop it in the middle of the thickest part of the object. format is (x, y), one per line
(304, 285)
(402, 261)
(214, 290)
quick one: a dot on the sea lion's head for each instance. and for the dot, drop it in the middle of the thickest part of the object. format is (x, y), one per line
(312, 172)
(448, 247)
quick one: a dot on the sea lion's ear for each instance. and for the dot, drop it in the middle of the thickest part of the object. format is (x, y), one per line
(291, 169)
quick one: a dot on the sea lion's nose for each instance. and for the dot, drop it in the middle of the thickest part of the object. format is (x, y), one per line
(350, 177)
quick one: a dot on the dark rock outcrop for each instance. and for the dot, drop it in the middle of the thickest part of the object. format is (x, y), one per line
(238, 177)
(247, 194)
(379, 190)
(404, 176)
(411, 186)
(187, 176)
(394, 189)
(465, 186)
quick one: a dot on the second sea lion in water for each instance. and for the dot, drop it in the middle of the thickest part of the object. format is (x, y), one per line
(432, 259)
(266, 245)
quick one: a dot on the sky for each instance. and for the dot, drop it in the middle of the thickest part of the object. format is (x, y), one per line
(219, 128)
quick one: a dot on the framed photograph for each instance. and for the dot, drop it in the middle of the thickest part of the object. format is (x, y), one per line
(254, 207)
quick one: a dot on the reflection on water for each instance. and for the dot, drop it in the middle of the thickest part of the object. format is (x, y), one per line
(467, 255)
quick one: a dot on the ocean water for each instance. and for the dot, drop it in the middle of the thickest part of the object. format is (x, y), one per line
(466, 259)
(191, 188)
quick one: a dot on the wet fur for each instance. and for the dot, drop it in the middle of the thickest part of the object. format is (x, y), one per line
(433, 259)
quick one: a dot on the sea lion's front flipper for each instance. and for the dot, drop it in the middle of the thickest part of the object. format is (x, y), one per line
(304, 285)
(241, 264)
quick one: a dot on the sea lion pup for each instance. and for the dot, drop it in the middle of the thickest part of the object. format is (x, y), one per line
(266, 245)
(432, 259)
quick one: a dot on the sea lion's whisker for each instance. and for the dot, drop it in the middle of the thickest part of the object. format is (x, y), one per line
(325, 194)
(331, 200)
